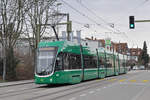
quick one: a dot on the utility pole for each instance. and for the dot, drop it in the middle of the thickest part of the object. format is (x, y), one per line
(69, 27)
(68, 23)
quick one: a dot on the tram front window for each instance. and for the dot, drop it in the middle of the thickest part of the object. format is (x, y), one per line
(45, 60)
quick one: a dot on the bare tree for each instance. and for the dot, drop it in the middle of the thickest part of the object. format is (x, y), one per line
(40, 13)
(12, 14)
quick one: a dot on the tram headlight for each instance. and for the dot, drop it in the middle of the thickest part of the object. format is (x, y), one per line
(51, 79)
(57, 75)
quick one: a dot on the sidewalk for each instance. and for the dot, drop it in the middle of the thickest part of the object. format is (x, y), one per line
(5, 84)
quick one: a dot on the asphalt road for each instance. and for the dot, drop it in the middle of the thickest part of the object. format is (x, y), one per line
(132, 86)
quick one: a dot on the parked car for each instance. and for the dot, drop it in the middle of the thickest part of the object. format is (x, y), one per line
(135, 68)
(142, 67)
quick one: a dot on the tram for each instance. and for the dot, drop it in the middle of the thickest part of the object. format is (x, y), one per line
(61, 62)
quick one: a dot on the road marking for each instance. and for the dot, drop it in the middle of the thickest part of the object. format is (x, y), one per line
(132, 80)
(122, 80)
(123, 83)
(73, 98)
(100, 79)
(82, 95)
(98, 89)
(109, 85)
(143, 84)
(108, 78)
(139, 94)
(145, 81)
(91, 92)
(10, 90)
(113, 79)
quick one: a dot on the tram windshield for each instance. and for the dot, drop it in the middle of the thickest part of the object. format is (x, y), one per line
(45, 60)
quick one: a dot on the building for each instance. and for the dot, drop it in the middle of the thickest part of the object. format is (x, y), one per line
(117, 47)
(135, 51)
(121, 48)
(134, 54)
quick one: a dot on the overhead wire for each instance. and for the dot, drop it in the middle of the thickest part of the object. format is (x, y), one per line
(112, 30)
(91, 11)
(133, 10)
(84, 15)
(117, 31)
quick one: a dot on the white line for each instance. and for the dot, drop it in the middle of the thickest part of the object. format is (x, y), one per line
(134, 83)
(98, 89)
(139, 94)
(91, 92)
(10, 90)
(73, 98)
(109, 86)
(82, 95)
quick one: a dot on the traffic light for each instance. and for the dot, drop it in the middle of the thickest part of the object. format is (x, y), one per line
(131, 22)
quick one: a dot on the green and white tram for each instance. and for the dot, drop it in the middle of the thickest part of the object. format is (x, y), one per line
(63, 62)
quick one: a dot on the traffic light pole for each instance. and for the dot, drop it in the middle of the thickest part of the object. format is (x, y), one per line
(132, 22)
(139, 21)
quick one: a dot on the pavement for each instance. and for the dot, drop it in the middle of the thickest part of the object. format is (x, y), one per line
(134, 85)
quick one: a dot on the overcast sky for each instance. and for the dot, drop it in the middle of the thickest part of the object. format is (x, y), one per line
(110, 11)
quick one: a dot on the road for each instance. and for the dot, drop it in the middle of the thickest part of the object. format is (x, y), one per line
(132, 86)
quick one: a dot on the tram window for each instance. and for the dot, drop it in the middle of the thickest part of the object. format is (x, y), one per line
(78, 62)
(75, 61)
(66, 61)
(94, 62)
(109, 62)
(117, 62)
(102, 62)
(90, 61)
(59, 62)
(71, 61)
(122, 62)
(86, 61)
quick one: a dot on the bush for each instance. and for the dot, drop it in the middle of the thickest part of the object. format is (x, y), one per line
(25, 68)
(11, 63)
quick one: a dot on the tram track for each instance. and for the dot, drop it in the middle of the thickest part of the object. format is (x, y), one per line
(75, 88)
(80, 90)
(15, 84)
(19, 92)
